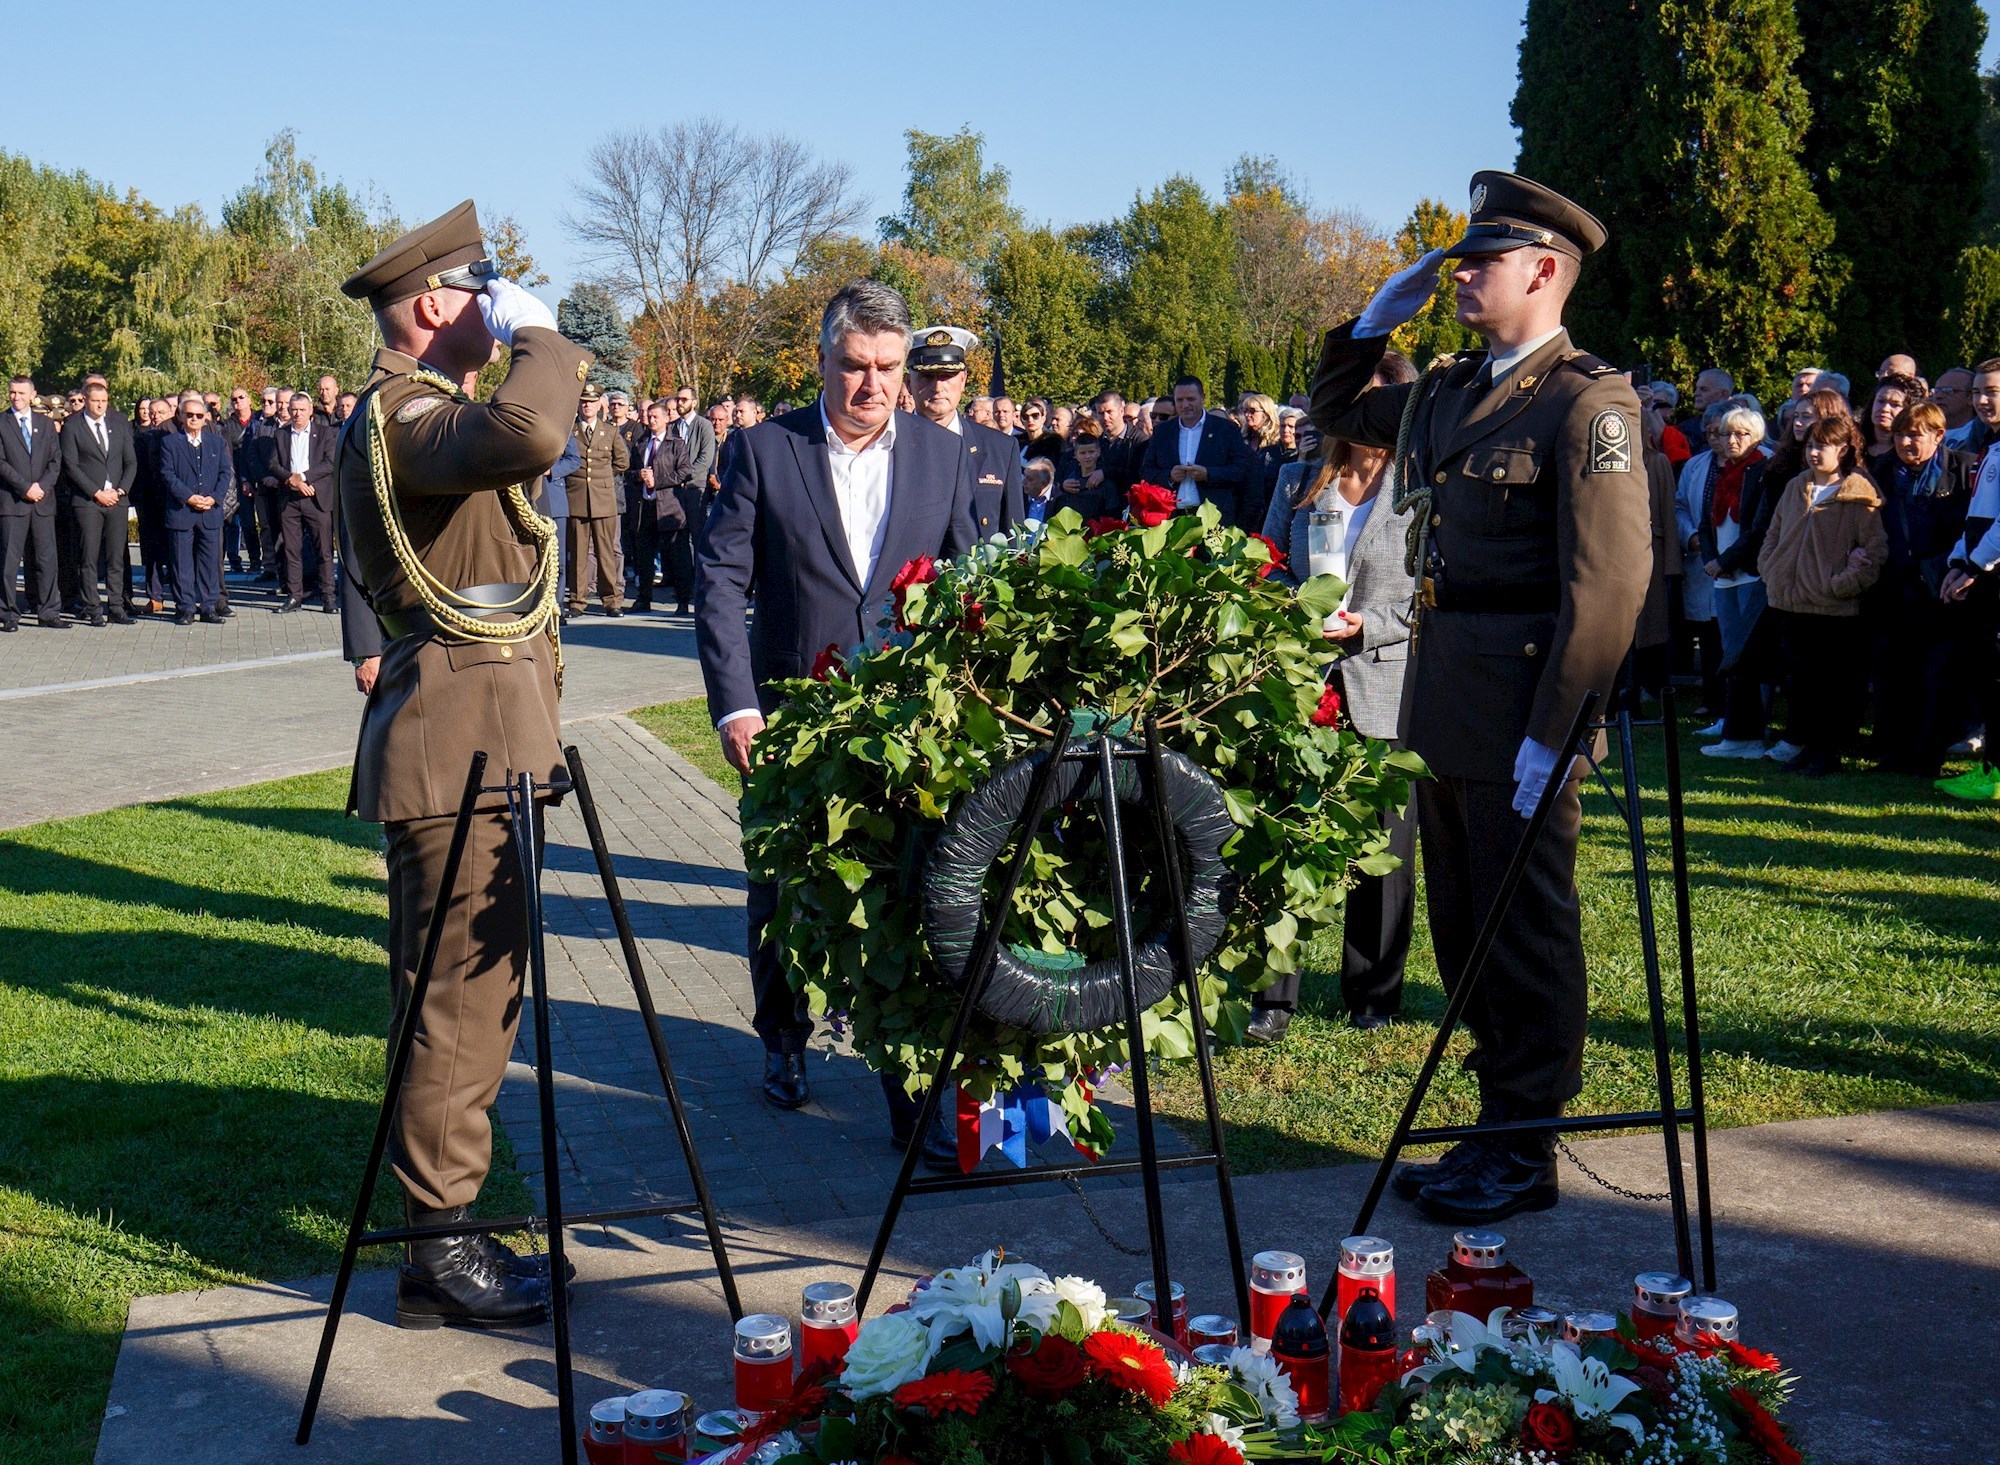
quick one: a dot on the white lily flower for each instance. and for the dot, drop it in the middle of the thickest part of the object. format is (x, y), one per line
(975, 1298)
(1460, 1339)
(1223, 1430)
(1590, 1389)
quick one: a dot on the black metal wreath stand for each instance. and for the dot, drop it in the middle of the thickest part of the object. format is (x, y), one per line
(1104, 751)
(524, 815)
(1668, 1117)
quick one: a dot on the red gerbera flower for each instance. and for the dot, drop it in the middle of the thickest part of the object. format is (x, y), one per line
(951, 1392)
(827, 662)
(1127, 1363)
(1277, 556)
(1108, 524)
(1151, 504)
(1205, 1449)
(920, 571)
(1741, 1356)
(1765, 1432)
(1327, 714)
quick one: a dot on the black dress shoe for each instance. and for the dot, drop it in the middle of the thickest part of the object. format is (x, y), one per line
(1411, 1178)
(1368, 1022)
(328, 608)
(461, 1280)
(184, 618)
(642, 607)
(292, 603)
(122, 619)
(222, 609)
(98, 618)
(9, 624)
(1505, 1179)
(210, 618)
(52, 623)
(1267, 1026)
(615, 611)
(785, 1084)
(941, 1150)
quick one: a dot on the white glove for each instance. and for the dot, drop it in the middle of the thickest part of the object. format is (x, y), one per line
(508, 308)
(1402, 295)
(1532, 767)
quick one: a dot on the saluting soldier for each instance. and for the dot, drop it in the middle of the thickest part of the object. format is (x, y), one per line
(937, 385)
(597, 507)
(459, 571)
(1534, 557)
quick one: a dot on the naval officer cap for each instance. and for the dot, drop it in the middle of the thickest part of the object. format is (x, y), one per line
(940, 350)
(1510, 212)
(445, 254)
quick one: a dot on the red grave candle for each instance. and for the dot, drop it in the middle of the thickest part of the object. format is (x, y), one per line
(763, 1362)
(1369, 1357)
(1300, 1346)
(1656, 1302)
(1478, 1278)
(1276, 1277)
(1365, 1262)
(828, 1326)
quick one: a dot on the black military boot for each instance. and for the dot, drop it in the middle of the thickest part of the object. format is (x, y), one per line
(464, 1280)
(1511, 1173)
(1410, 1179)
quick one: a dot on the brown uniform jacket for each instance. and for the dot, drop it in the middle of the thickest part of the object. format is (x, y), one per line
(597, 486)
(1540, 540)
(436, 703)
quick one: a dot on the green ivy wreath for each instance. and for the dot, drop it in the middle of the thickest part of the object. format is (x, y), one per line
(860, 764)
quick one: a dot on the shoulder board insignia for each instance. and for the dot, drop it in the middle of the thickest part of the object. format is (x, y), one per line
(1610, 443)
(582, 370)
(416, 407)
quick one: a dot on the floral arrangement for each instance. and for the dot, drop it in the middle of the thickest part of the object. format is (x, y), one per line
(998, 1363)
(1484, 1398)
(1159, 613)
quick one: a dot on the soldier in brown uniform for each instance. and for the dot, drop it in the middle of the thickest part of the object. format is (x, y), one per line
(1534, 558)
(459, 572)
(597, 508)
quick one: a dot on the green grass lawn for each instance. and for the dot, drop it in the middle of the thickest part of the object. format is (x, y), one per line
(192, 1002)
(1847, 949)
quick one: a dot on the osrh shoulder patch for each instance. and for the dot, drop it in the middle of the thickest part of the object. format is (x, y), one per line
(1610, 443)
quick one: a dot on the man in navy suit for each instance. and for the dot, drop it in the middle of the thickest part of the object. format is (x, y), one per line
(195, 472)
(937, 385)
(1202, 458)
(99, 467)
(30, 467)
(818, 509)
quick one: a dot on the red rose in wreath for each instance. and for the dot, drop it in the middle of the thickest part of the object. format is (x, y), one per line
(1151, 504)
(1548, 1428)
(828, 662)
(1129, 1364)
(951, 1392)
(1327, 714)
(1205, 1449)
(1264, 572)
(1052, 1370)
(920, 571)
(974, 619)
(1109, 524)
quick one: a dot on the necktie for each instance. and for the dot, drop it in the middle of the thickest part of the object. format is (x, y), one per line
(27, 430)
(97, 426)
(651, 443)
(1484, 380)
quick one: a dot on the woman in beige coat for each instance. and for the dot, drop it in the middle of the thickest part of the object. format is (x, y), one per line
(1826, 545)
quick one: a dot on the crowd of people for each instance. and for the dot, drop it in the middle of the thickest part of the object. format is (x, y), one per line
(1821, 562)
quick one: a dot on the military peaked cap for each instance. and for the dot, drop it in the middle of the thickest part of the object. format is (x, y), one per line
(940, 350)
(1509, 211)
(446, 253)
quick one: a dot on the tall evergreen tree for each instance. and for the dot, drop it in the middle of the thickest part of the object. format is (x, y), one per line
(1577, 71)
(1895, 154)
(1039, 289)
(588, 315)
(1174, 293)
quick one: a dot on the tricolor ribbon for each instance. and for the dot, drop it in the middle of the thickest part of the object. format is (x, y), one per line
(1011, 1121)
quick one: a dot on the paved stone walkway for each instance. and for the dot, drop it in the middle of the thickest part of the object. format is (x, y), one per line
(674, 840)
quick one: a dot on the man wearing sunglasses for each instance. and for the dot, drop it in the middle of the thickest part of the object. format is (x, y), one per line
(195, 469)
(467, 664)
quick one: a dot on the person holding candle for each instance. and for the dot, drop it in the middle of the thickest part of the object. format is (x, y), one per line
(1374, 633)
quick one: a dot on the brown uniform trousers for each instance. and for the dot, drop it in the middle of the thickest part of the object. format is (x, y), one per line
(1537, 558)
(597, 516)
(436, 702)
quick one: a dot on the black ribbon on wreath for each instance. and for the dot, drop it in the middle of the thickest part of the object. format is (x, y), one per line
(1064, 993)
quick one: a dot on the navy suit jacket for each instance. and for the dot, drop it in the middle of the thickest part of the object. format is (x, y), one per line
(20, 469)
(186, 470)
(997, 497)
(1221, 451)
(775, 527)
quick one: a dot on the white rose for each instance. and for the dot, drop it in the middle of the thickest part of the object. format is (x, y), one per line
(889, 1352)
(1087, 1298)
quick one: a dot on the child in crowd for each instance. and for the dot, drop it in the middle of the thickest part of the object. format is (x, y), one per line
(1826, 545)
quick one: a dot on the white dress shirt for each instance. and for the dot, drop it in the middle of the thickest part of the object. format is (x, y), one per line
(301, 451)
(862, 483)
(1189, 493)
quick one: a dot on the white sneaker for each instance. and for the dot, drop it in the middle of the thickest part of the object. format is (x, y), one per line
(1783, 752)
(1713, 730)
(1735, 748)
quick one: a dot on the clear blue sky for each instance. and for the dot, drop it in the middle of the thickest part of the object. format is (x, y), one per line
(1370, 106)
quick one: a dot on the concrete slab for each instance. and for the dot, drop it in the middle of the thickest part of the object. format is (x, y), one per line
(1865, 1251)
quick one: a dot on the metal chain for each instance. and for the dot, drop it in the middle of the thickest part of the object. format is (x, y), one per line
(1570, 1155)
(1113, 1241)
